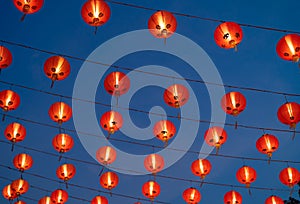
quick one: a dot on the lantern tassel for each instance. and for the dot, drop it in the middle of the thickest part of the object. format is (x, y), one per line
(3, 117)
(294, 134)
(23, 17)
(67, 186)
(178, 116)
(12, 146)
(165, 41)
(292, 191)
(201, 183)
(59, 158)
(108, 136)
(101, 171)
(269, 160)
(96, 29)
(235, 125)
(249, 191)
(235, 48)
(110, 193)
(217, 150)
(52, 83)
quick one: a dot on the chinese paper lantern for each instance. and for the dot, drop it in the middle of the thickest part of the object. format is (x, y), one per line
(9, 100)
(59, 196)
(176, 95)
(151, 190)
(106, 155)
(232, 197)
(154, 163)
(162, 24)
(28, 6)
(23, 162)
(5, 58)
(8, 193)
(111, 121)
(57, 68)
(20, 202)
(216, 137)
(109, 180)
(274, 200)
(45, 200)
(60, 112)
(15, 132)
(164, 130)
(95, 13)
(191, 196)
(228, 35)
(201, 168)
(289, 176)
(99, 200)
(267, 144)
(66, 172)
(117, 83)
(62, 143)
(288, 47)
(20, 186)
(246, 175)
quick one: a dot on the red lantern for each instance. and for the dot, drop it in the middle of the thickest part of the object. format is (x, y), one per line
(116, 83)
(20, 186)
(9, 100)
(60, 112)
(23, 162)
(66, 172)
(164, 130)
(233, 197)
(8, 193)
(45, 200)
(162, 24)
(15, 132)
(246, 175)
(288, 47)
(191, 196)
(109, 180)
(59, 196)
(20, 202)
(233, 103)
(28, 6)
(267, 144)
(201, 168)
(154, 163)
(57, 68)
(5, 57)
(151, 190)
(176, 95)
(228, 35)
(111, 121)
(99, 200)
(63, 143)
(216, 137)
(274, 200)
(289, 114)
(106, 155)
(289, 176)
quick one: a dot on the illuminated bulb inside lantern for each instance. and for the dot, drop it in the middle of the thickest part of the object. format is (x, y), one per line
(290, 110)
(192, 196)
(201, 166)
(153, 161)
(215, 136)
(268, 143)
(23, 159)
(233, 197)
(290, 174)
(151, 188)
(247, 174)
(273, 200)
(107, 153)
(289, 43)
(63, 141)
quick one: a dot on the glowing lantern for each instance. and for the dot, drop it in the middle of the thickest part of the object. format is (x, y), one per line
(111, 121)
(151, 190)
(216, 137)
(57, 68)
(23, 162)
(109, 180)
(62, 143)
(60, 112)
(99, 200)
(274, 200)
(191, 196)
(289, 176)
(45, 200)
(164, 130)
(20, 186)
(267, 144)
(15, 132)
(59, 196)
(201, 168)
(20, 202)
(8, 193)
(9, 100)
(28, 6)
(288, 47)
(176, 95)
(106, 155)
(228, 35)
(246, 175)
(66, 172)
(95, 13)
(233, 197)
(154, 163)
(5, 58)
(116, 83)
(162, 24)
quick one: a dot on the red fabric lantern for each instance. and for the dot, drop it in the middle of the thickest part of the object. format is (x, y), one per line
(59, 196)
(60, 112)
(154, 163)
(215, 136)
(9, 100)
(111, 121)
(99, 200)
(151, 190)
(274, 200)
(246, 175)
(109, 180)
(289, 114)
(63, 143)
(66, 172)
(106, 155)
(228, 35)
(57, 68)
(289, 176)
(15, 132)
(233, 103)
(23, 162)
(8, 193)
(176, 95)
(45, 200)
(116, 83)
(162, 24)
(201, 168)
(233, 197)
(267, 144)
(5, 57)
(288, 47)
(191, 196)
(164, 130)
(28, 6)
(20, 186)
(20, 202)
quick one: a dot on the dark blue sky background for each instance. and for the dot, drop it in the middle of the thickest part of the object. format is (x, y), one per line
(58, 27)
